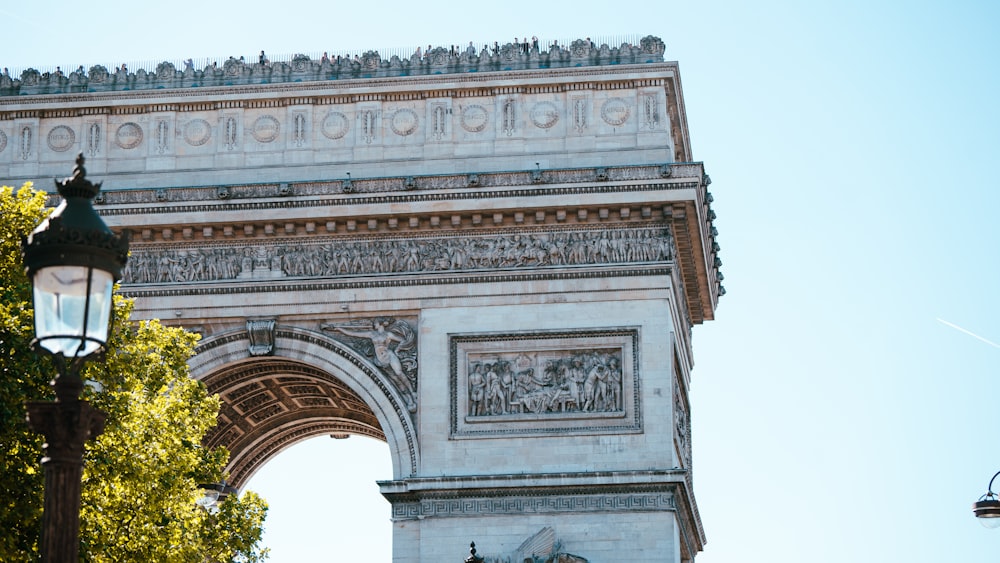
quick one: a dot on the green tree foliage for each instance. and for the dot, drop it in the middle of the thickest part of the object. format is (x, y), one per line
(140, 476)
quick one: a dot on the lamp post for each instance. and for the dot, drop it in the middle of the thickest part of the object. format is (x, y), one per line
(73, 261)
(987, 508)
(213, 495)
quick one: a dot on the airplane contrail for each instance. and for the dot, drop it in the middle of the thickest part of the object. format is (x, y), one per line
(970, 333)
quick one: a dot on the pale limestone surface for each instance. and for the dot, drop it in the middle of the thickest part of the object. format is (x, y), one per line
(497, 205)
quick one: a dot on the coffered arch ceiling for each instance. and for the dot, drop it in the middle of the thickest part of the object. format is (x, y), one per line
(271, 403)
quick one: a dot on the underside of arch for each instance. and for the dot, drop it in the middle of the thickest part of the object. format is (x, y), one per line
(269, 404)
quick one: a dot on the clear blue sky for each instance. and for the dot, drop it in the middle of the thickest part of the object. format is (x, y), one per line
(852, 147)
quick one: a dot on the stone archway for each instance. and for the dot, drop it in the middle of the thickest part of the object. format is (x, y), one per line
(309, 386)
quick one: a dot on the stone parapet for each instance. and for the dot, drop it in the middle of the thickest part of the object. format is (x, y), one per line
(302, 68)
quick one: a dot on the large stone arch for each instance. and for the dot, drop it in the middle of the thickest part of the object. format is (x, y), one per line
(310, 385)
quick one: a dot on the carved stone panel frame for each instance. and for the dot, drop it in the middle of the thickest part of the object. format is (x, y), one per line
(547, 382)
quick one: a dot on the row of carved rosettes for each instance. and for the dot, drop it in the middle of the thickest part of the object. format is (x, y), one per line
(675, 173)
(150, 264)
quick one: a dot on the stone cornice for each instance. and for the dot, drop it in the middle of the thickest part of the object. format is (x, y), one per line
(300, 285)
(409, 189)
(465, 496)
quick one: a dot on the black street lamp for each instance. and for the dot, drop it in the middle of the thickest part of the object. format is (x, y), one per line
(73, 261)
(987, 508)
(214, 494)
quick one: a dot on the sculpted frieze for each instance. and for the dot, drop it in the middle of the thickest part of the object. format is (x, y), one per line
(337, 257)
(682, 425)
(544, 382)
(554, 381)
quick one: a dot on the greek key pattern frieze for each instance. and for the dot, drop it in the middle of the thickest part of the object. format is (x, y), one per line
(453, 508)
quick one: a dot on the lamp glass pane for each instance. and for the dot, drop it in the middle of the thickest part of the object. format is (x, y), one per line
(60, 302)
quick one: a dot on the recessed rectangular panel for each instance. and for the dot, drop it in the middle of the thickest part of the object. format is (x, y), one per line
(546, 382)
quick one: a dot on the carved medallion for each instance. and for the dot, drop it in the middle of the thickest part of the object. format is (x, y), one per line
(61, 138)
(3, 141)
(544, 115)
(474, 118)
(615, 112)
(265, 129)
(335, 125)
(197, 132)
(128, 135)
(403, 122)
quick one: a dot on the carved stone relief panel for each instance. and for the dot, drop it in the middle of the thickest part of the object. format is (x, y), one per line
(335, 257)
(474, 118)
(545, 382)
(3, 141)
(508, 115)
(439, 121)
(128, 135)
(367, 117)
(579, 108)
(61, 138)
(616, 111)
(266, 129)
(94, 137)
(25, 140)
(682, 426)
(544, 115)
(230, 129)
(299, 128)
(403, 122)
(335, 125)
(389, 343)
(651, 114)
(197, 132)
(161, 135)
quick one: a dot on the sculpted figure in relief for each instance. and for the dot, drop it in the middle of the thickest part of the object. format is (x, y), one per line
(335, 258)
(387, 347)
(549, 382)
